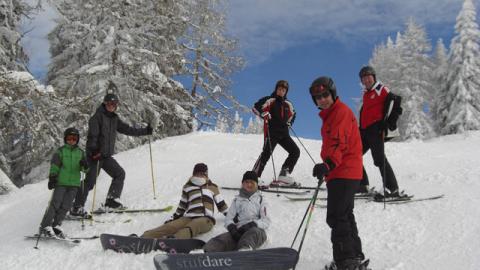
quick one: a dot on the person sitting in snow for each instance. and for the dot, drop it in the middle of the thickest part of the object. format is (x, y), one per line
(246, 219)
(195, 212)
(64, 178)
(278, 115)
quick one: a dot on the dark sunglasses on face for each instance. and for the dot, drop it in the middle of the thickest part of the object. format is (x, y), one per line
(111, 103)
(324, 94)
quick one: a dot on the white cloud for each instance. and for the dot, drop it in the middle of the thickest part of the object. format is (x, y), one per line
(268, 26)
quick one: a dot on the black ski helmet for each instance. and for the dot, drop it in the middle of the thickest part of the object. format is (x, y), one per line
(110, 97)
(323, 82)
(367, 70)
(71, 131)
(282, 83)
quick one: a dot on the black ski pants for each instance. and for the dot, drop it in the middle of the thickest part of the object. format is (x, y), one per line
(287, 143)
(372, 139)
(340, 203)
(112, 168)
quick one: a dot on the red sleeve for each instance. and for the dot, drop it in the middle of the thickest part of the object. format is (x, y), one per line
(337, 140)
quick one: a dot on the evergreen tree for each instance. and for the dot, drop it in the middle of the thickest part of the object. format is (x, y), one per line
(126, 47)
(237, 124)
(462, 101)
(439, 94)
(210, 60)
(222, 125)
(415, 85)
(12, 54)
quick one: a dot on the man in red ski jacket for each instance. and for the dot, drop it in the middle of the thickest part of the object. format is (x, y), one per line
(373, 125)
(342, 169)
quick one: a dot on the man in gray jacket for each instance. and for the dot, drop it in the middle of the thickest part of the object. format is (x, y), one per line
(246, 220)
(102, 133)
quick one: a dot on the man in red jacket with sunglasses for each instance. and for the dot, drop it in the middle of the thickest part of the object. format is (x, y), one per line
(342, 171)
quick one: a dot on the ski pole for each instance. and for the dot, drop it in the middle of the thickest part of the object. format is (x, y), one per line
(151, 167)
(312, 206)
(83, 190)
(301, 223)
(302, 145)
(95, 190)
(39, 229)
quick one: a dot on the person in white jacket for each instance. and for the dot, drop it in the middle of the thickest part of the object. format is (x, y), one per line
(246, 220)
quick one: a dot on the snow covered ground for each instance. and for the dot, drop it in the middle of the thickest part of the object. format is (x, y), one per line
(441, 234)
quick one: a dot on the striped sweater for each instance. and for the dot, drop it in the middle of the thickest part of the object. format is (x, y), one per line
(198, 201)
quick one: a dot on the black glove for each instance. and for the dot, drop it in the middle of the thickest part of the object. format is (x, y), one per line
(83, 163)
(382, 126)
(52, 181)
(232, 229)
(149, 129)
(247, 227)
(320, 170)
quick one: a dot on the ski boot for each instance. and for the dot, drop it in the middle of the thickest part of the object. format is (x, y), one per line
(47, 232)
(114, 203)
(79, 212)
(59, 232)
(391, 196)
(284, 179)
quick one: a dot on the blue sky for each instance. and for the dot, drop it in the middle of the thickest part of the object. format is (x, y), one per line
(299, 41)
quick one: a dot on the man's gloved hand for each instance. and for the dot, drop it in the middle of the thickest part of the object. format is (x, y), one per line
(52, 181)
(266, 116)
(320, 170)
(232, 229)
(247, 227)
(96, 156)
(149, 129)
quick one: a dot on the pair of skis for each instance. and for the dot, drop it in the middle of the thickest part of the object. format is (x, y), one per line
(72, 240)
(293, 190)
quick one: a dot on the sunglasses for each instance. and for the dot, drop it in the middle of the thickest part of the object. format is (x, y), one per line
(111, 103)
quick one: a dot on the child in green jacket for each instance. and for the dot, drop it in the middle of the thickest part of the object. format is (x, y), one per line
(66, 164)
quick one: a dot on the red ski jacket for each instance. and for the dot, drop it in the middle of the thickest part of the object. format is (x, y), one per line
(373, 108)
(342, 144)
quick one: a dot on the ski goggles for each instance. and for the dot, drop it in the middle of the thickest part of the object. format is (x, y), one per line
(73, 138)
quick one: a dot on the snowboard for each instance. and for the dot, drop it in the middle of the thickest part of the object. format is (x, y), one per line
(261, 259)
(120, 211)
(138, 245)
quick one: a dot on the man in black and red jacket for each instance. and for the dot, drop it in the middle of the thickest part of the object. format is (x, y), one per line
(278, 115)
(374, 122)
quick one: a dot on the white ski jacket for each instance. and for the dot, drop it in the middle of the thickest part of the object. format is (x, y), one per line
(244, 210)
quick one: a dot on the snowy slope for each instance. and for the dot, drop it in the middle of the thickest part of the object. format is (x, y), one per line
(442, 234)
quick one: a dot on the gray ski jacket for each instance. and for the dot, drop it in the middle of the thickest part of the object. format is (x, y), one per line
(244, 210)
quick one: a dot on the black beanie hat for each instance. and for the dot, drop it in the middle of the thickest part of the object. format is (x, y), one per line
(250, 175)
(200, 168)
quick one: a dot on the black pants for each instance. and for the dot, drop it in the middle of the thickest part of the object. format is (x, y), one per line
(286, 143)
(340, 203)
(112, 168)
(372, 139)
